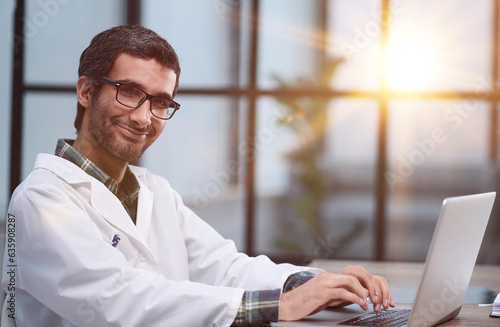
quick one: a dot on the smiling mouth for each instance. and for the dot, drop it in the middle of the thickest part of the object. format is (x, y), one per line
(133, 133)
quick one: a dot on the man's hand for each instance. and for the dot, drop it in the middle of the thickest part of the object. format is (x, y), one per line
(377, 287)
(353, 285)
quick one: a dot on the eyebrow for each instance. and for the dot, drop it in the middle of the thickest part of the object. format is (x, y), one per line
(140, 86)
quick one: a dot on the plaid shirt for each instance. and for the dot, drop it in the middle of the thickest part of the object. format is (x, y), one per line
(257, 307)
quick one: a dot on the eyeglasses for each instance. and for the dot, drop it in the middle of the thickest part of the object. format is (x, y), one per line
(132, 97)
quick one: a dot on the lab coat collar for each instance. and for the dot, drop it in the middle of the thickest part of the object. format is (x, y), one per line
(101, 198)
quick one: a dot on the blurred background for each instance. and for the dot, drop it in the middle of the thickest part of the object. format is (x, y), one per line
(308, 128)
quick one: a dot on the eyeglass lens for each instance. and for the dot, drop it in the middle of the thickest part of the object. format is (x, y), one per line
(133, 97)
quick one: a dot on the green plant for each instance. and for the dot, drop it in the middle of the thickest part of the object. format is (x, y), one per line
(307, 118)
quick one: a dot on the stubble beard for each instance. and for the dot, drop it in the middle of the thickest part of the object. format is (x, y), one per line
(107, 140)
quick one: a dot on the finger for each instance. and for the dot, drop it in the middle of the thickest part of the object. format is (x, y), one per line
(343, 288)
(376, 298)
(339, 304)
(344, 296)
(366, 279)
(381, 290)
(334, 281)
(385, 293)
(377, 287)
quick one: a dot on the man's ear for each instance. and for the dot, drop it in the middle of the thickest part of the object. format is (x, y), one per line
(83, 90)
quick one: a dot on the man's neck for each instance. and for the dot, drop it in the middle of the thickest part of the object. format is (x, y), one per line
(112, 166)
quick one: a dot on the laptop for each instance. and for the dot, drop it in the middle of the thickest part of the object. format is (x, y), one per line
(448, 269)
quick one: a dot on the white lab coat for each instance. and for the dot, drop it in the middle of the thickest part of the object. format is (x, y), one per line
(171, 269)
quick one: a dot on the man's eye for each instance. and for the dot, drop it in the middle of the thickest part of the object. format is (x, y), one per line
(128, 91)
(161, 103)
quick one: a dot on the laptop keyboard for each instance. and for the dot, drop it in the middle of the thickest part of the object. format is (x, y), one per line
(386, 318)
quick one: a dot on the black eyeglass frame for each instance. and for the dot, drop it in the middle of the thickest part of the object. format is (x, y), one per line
(109, 81)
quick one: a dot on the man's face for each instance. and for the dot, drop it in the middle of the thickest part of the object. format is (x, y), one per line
(122, 132)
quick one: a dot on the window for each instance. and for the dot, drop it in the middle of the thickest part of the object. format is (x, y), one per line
(308, 129)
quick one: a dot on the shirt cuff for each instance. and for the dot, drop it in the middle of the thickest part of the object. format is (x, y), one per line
(262, 307)
(297, 279)
(258, 308)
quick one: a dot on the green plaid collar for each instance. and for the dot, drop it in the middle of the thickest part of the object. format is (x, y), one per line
(66, 150)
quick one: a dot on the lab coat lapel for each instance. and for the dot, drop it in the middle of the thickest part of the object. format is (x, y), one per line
(101, 198)
(110, 208)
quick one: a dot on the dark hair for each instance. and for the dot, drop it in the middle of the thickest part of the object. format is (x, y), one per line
(98, 58)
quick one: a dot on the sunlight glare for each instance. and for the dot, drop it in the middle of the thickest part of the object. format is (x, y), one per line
(407, 66)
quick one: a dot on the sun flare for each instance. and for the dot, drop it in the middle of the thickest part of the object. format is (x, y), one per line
(407, 65)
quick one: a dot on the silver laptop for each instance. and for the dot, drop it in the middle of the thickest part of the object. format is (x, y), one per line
(447, 272)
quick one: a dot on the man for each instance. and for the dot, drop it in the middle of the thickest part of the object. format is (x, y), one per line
(99, 242)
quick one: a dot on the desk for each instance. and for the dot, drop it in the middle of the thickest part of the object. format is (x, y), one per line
(409, 274)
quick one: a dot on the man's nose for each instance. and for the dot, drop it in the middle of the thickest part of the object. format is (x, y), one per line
(142, 114)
